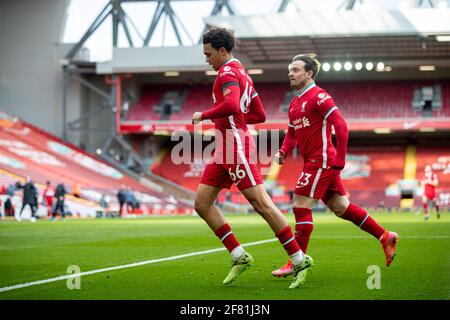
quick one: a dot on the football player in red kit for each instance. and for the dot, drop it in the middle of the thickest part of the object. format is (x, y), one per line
(236, 103)
(48, 195)
(429, 183)
(312, 113)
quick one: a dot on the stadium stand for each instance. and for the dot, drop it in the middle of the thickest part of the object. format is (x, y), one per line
(273, 96)
(357, 100)
(199, 96)
(75, 206)
(445, 110)
(26, 150)
(361, 100)
(157, 102)
(363, 165)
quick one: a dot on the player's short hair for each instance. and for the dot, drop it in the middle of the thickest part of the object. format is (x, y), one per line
(311, 62)
(220, 38)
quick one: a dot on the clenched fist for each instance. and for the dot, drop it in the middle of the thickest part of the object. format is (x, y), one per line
(279, 157)
(196, 117)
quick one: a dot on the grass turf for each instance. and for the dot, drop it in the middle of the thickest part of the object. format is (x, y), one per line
(342, 254)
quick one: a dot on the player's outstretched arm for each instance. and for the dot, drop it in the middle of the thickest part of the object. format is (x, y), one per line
(256, 112)
(341, 130)
(228, 107)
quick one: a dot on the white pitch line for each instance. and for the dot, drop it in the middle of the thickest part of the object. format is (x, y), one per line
(131, 265)
(142, 263)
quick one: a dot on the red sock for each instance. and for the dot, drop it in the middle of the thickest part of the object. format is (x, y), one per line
(425, 208)
(303, 227)
(287, 239)
(361, 218)
(227, 237)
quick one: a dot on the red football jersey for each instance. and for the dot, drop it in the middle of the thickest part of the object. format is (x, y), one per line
(48, 192)
(428, 179)
(308, 114)
(237, 138)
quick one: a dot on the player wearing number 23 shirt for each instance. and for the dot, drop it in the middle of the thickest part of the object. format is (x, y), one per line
(312, 113)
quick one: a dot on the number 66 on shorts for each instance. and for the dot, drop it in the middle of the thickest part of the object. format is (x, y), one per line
(239, 175)
(244, 175)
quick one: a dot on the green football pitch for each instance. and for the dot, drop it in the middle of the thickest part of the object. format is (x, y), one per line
(179, 258)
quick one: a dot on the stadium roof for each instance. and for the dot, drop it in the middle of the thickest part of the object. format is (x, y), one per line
(347, 23)
(402, 39)
(404, 35)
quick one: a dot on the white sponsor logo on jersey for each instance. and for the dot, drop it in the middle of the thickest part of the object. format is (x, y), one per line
(323, 100)
(301, 123)
(227, 72)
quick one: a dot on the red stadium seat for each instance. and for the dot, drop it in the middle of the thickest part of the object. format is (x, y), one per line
(357, 100)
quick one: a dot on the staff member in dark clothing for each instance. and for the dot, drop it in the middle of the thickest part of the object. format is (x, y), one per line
(60, 195)
(29, 198)
(121, 197)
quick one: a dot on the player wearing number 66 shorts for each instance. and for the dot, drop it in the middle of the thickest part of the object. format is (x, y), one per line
(236, 103)
(312, 113)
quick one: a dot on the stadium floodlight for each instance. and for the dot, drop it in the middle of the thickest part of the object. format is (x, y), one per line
(98, 151)
(337, 66)
(255, 71)
(427, 68)
(380, 66)
(443, 38)
(348, 66)
(358, 66)
(326, 67)
(369, 66)
(171, 73)
(211, 73)
(388, 68)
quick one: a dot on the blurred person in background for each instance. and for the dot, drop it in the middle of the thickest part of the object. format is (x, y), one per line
(60, 195)
(130, 200)
(121, 198)
(29, 198)
(429, 183)
(47, 196)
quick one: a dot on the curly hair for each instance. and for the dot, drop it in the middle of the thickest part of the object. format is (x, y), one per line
(311, 62)
(220, 38)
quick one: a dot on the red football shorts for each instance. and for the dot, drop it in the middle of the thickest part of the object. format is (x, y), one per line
(244, 175)
(319, 183)
(49, 201)
(430, 195)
